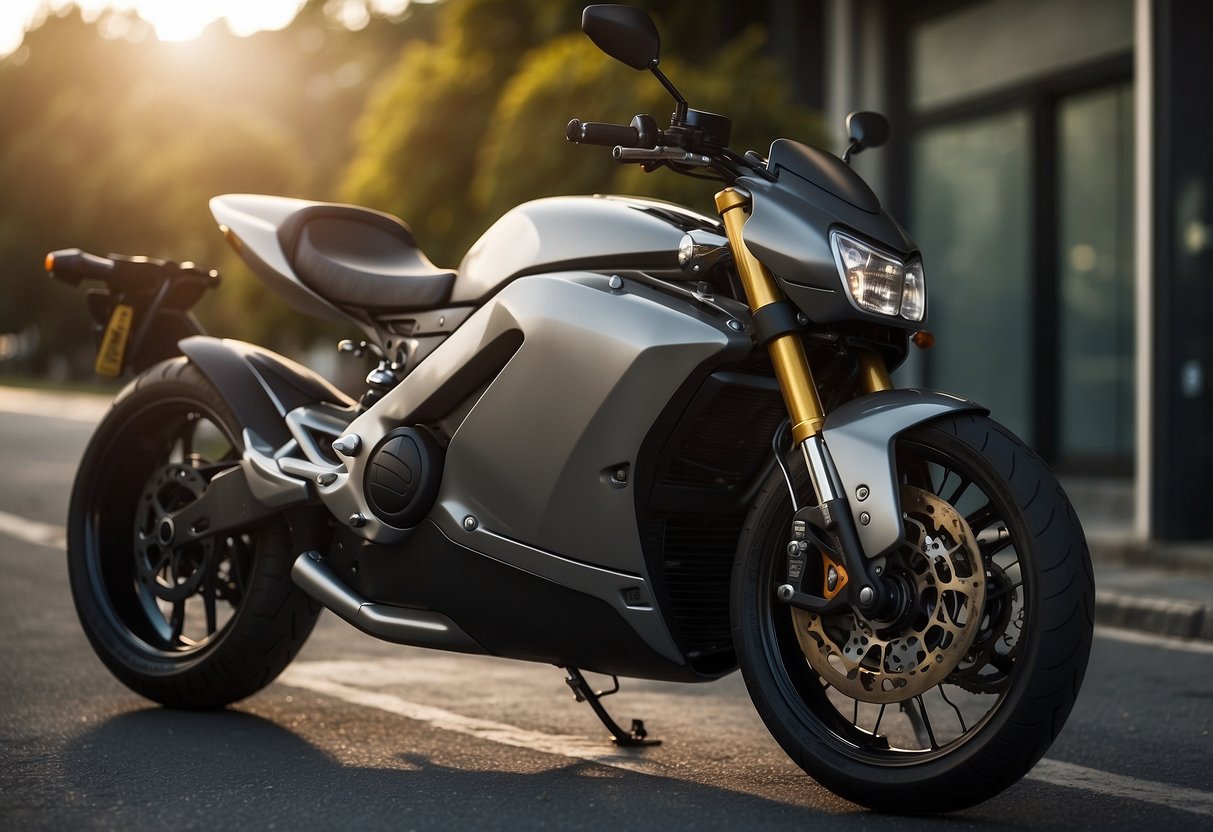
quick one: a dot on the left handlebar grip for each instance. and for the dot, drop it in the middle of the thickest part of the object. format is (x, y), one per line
(609, 135)
(71, 265)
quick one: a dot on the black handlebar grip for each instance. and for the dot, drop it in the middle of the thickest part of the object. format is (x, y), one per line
(71, 265)
(609, 135)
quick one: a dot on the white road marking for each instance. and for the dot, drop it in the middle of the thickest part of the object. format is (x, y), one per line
(74, 407)
(1117, 785)
(31, 531)
(331, 679)
(319, 678)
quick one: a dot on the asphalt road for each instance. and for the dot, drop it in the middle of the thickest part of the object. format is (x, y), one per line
(361, 734)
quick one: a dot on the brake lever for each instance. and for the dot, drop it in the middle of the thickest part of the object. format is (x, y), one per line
(661, 154)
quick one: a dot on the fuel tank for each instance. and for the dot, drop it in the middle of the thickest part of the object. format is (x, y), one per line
(575, 233)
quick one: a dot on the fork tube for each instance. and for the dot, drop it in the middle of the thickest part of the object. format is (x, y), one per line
(873, 374)
(787, 352)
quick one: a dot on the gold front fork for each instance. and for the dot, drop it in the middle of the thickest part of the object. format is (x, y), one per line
(787, 351)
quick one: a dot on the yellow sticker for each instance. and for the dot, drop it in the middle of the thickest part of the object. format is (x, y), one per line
(113, 345)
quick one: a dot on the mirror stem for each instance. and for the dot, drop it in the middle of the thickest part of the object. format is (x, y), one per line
(680, 109)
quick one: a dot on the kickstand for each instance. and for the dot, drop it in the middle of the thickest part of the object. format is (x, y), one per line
(584, 693)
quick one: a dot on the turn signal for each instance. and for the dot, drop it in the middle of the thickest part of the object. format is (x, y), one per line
(50, 262)
(923, 340)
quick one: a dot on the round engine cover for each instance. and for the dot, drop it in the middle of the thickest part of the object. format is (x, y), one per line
(402, 477)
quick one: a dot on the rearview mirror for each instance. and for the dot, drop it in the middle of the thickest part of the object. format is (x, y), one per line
(865, 129)
(625, 33)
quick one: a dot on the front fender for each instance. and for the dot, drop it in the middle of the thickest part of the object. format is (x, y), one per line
(859, 436)
(260, 386)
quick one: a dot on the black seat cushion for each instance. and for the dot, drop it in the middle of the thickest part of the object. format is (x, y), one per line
(364, 259)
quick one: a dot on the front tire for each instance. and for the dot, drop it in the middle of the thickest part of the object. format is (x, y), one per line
(981, 728)
(194, 626)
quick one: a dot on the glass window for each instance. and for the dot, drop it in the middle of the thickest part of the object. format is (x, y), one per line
(1095, 265)
(986, 46)
(971, 201)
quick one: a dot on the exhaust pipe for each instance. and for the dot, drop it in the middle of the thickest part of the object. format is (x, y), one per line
(419, 628)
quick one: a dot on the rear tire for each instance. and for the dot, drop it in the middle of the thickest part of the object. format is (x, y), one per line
(986, 724)
(195, 626)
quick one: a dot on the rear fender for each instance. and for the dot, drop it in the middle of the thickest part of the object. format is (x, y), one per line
(260, 386)
(860, 435)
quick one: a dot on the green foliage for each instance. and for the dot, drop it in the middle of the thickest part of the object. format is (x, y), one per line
(568, 75)
(466, 128)
(526, 155)
(416, 143)
(116, 142)
(425, 123)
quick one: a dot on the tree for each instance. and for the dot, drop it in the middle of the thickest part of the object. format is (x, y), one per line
(114, 142)
(568, 75)
(473, 123)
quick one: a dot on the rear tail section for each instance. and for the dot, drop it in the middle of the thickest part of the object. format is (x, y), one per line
(140, 306)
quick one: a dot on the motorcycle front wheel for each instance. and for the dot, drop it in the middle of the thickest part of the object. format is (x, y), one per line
(195, 625)
(958, 697)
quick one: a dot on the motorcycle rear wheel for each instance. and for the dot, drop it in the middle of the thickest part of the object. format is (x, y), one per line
(194, 626)
(995, 714)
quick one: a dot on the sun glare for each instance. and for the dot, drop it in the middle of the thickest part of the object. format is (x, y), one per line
(172, 20)
(175, 20)
(181, 20)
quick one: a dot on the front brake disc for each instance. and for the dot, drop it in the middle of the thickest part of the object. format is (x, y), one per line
(940, 569)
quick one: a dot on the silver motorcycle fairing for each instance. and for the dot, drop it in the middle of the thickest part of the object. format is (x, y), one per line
(859, 436)
(575, 232)
(575, 375)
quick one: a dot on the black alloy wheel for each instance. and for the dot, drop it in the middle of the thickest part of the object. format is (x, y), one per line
(957, 698)
(197, 624)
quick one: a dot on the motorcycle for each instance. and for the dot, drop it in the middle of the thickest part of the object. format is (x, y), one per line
(622, 437)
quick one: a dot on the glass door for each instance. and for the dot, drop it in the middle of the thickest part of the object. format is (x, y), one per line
(971, 210)
(1095, 272)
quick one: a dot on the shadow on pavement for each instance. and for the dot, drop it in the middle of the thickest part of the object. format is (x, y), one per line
(161, 769)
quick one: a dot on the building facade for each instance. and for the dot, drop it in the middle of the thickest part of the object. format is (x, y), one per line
(1054, 161)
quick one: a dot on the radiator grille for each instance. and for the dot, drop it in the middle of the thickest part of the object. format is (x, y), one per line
(723, 448)
(729, 442)
(698, 556)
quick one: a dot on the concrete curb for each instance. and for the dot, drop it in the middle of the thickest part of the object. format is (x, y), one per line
(1154, 587)
(1180, 619)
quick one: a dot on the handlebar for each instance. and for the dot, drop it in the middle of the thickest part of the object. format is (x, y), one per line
(639, 141)
(697, 143)
(609, 135)
(660, 154)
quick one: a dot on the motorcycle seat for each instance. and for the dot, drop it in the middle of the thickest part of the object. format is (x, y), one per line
(356, 257)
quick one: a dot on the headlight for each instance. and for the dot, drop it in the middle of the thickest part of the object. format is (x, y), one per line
(880, 282)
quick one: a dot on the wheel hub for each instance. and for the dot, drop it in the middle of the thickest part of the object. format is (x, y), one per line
(171, 573)
(940, 575)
